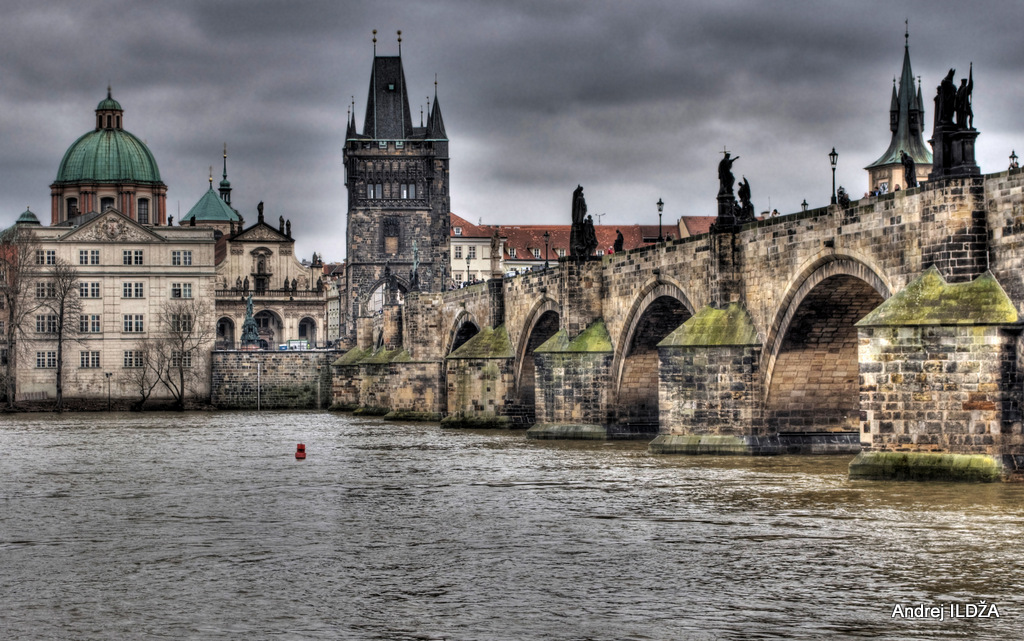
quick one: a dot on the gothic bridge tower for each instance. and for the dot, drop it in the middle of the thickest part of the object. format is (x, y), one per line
(398, 200)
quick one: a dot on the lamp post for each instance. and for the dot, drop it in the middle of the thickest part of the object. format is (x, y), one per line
(108, 389)
(832, 158)
(661, 206)
(467, 269)
(803, 205)
(1013, 160)
(547, 237)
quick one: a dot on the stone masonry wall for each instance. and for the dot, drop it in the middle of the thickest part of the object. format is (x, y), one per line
(940, 389)
(287, 380)
(712, 390)
(572, 388)
(479, 390)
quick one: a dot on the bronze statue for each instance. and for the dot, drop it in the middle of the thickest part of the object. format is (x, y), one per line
(945, 99)
(288, 228)
(579, 214)
(909, 169)
(725, 177)
(259, 210)
(962, 102)
(589, 237)
(280, 224)
(619, 241)
(746, 207)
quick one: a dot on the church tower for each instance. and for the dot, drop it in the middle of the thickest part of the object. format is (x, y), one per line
(398, 201)
(906, 122)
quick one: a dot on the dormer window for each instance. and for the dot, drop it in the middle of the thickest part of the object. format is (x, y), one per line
(458, 231)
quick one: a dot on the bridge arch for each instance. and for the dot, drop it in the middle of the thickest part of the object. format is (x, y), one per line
(659, 308)
(542, 323)
(810, 362)
(463, 328)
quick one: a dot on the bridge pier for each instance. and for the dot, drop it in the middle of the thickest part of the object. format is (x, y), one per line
(940, 384)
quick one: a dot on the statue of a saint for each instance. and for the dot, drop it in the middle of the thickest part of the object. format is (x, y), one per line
(288, 228)
(259, 210)
(746, 207)
(725, 177)
(619, 241)
(579, 215)
(945, 99)
(280, 224)
(964, 113)
(909, 169)
(589, 237)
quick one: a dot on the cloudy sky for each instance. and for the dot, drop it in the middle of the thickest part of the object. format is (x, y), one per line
(633, 100)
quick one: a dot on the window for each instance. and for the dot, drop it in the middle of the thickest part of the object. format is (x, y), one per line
(458, 231)
(89, 323)
(181, 258)
(46, 360)
(600, 252)
(83, 256)
(132, 290)
(94, 257)
(560, 252)
(46, 257)
(458, 277)
(106, 202)
(88, 290)
(511, 252)
(72, 207)
(132, 358)
(408, 191)
(89, 360)
(131, 257)
(536, 253)
(181, 322)
(144, 211)
(458, 251)
(399, 144)
(133, 323)
(46, 323)
(181, 359)
(472, 251)
(181, 290)
(46, 290)
(375, 191)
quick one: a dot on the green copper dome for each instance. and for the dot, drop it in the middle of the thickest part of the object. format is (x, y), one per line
(109, 104)
(108, 155)
(29, 217)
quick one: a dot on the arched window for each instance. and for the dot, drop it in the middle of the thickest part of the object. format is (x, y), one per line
(106, 203)
(72, 207)
(143, 211)
(118, 118)
(108, 121)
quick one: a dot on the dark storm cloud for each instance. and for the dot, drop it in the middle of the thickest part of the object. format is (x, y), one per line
(634, 100)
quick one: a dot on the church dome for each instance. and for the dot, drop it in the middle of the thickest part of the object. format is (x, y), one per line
(108, 155)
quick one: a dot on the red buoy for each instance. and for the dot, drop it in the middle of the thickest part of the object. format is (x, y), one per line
(300, 451)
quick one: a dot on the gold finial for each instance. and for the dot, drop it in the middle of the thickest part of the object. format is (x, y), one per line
(225, 150)
(211, 176)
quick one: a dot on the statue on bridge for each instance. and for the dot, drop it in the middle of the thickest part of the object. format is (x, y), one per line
(250, 333)
(725, 177)
(909, 169)
(746, 213)
(945, 99)
(619, 241)
(577, 241)
(962, 102)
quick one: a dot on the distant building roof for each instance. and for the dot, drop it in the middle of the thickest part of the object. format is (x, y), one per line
(211, 207)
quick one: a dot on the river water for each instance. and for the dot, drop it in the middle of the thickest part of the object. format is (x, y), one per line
(204, 526)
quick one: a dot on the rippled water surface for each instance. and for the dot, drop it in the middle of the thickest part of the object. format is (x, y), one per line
(204, 526)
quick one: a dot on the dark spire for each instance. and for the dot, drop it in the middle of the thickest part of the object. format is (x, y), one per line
(435, 126)
(225, 185)
(906, 118)
(387, 105)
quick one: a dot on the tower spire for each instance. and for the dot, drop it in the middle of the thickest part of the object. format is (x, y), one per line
(225, 185)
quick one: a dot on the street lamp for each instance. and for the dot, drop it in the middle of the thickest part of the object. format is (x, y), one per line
(832, 158)
(467, 269)
(547, 237)
(1013, 160)
(661, 206)
(803, 205)
(108, 389)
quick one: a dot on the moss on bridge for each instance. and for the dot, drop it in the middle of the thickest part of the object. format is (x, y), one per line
(926, 466)
(930, 300)
(715, 328)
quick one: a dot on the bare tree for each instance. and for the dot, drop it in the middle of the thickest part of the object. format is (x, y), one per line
(59, 285)
(141, 371)
(188, 335)
(17, 274)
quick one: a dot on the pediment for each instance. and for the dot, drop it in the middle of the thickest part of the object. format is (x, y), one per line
(112, 227)
(261, 232)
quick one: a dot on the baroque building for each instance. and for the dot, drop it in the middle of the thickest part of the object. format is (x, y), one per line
(397, 179)
(906, 122)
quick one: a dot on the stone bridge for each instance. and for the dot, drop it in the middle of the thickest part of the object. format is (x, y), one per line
(890, 325)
